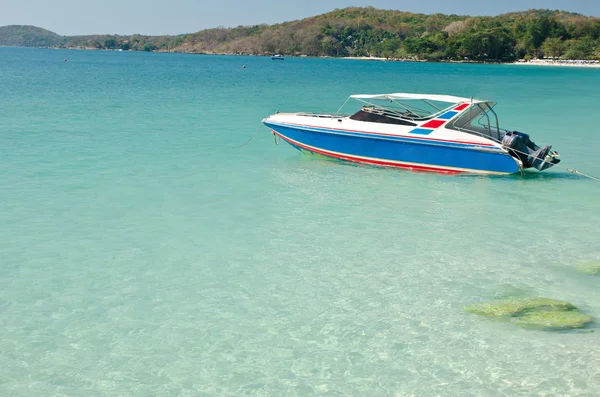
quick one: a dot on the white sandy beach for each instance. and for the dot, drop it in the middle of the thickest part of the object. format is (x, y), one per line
(561, 62)
(533, 62)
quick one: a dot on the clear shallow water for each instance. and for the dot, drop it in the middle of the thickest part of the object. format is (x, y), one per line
(141, 255)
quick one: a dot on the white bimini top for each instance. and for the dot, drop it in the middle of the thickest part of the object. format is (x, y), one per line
(425, 97)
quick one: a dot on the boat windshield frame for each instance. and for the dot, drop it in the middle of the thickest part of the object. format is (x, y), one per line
(485, 117)
(412, 110)
(479, 118)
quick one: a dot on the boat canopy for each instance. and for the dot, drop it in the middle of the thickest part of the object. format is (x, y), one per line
(424, 97)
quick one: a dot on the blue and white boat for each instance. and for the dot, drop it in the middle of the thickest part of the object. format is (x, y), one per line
(440, 133)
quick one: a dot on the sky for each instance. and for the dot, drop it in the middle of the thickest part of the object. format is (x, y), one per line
(158, 17)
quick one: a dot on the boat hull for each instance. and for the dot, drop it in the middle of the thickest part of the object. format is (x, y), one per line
(403, 152)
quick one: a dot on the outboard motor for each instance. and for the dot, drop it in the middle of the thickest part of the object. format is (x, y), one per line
(530, 154)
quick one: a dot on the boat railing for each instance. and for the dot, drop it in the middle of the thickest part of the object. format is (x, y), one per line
(320, 115)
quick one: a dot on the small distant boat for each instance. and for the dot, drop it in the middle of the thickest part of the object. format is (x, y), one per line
(439, 133)
(278, 57)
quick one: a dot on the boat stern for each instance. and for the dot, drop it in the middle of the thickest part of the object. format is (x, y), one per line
(531, 155)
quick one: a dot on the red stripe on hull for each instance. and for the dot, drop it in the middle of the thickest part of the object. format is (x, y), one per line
(368, 161)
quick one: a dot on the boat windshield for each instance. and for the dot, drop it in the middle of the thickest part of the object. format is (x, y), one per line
(390, 111)
(380, 115)
(480, 119)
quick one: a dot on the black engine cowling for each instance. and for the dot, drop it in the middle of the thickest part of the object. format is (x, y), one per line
(531, 155)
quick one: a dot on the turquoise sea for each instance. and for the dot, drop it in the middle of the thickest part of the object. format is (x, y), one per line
(141, 254)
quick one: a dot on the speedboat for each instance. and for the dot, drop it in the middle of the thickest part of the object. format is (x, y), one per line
(278, 57)
(439, 133)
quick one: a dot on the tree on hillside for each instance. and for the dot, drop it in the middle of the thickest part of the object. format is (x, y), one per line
(110, 43)
(493, 44)
(456, 27)
(580, 49)
(553, 47)
(330, 46)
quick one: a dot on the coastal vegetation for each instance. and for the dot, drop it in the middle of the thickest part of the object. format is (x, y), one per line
(366, 32)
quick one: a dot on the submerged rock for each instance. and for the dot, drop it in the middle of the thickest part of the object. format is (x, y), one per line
(590, 268)
(516, 306)
(553, 320)
(534, 313)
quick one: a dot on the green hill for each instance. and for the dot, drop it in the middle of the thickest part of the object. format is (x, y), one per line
(368, 31)
(29, 36)
(358, 31)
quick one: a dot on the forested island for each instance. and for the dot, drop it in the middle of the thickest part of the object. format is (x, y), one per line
(365, 32)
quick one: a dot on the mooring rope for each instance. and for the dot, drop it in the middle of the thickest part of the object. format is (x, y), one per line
(574, 171)
(249, 140)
